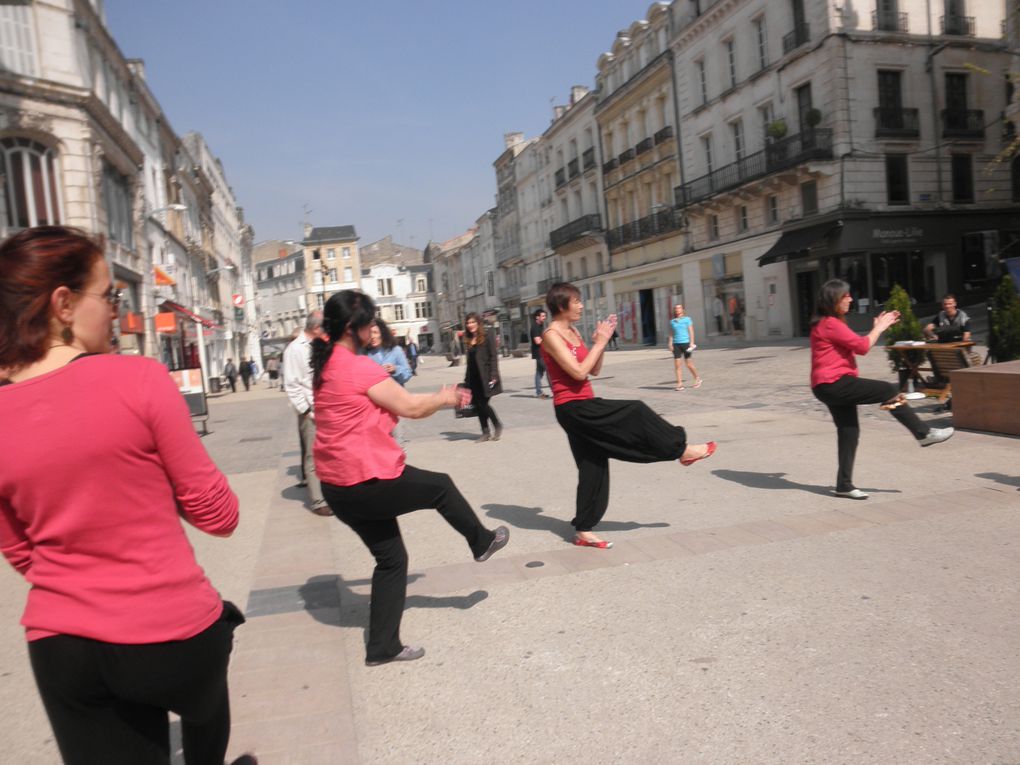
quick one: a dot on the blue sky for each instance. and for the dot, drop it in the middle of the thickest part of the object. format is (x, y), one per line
(368, 112)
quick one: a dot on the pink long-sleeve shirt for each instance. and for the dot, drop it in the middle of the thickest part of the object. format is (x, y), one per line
(833, 345)
(99, 461)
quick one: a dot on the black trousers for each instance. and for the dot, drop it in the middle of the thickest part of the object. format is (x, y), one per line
(479, 397)
(371, 509)
(108, 703)
(843, 397)
(598, 429)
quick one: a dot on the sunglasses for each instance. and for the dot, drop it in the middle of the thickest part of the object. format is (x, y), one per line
(113, 296)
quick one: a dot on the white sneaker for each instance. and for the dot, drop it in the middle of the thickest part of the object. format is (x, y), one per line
(852, 494)
(936, 436)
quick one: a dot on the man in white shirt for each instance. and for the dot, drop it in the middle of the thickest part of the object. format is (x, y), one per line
(297, 383)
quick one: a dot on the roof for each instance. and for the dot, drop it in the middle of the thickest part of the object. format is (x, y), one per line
(330, 234)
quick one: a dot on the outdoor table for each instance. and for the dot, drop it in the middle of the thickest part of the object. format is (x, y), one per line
(914, 362)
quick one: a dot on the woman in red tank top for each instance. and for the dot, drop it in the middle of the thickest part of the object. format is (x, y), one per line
(598, 428)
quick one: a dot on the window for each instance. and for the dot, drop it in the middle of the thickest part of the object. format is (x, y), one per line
(699, 68)
(30, 183)
(17, 53)
(897, 187)
(345, 252)
(762, 39)
(117, 196)
(804, 105)
(713, 228)
(319, 301)
(570, 271)
(742, 219)
(584, 268)
(331, 254)
(423, 310)
(809, 197)
(706, 148)
(490, 283)
(731, 61)
(316, 255)
(772, 208)
(420, 284)
(738, 139)
(765, 118)
(398, 312)
(317, 278)
(332, 275)
(384, 286)
(963, 178)
(348, 274)
(890, 100)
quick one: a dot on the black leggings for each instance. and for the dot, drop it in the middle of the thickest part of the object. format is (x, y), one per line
(843, 397)
(371, 509)
(108, 702)
(598, 429)
(481, 401)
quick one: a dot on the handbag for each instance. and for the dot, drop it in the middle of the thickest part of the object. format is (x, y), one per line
(460, 412)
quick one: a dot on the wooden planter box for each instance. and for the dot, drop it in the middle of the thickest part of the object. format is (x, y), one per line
(987, 398)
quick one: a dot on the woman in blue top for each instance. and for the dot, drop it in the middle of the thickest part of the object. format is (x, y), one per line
(384, 351)
(683, 344)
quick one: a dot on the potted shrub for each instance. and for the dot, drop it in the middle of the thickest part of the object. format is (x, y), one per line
(777, 129)
(1004, 337)
(813, 118)
(907, 328)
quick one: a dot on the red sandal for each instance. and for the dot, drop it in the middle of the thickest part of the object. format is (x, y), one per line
(600, 544)
(708, 453)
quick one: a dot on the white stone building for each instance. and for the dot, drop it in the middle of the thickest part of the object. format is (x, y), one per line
(403, 299)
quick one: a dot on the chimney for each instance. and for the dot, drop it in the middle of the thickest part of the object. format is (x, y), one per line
(577, 93)
(558, 111)
(512, 139)
(308, 230)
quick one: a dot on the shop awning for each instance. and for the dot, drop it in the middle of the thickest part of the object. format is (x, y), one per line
(207, 323)
(163, 279)
(798, 243)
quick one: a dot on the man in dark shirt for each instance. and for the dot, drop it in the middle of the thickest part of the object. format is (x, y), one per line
(950, 325)
(537, 328)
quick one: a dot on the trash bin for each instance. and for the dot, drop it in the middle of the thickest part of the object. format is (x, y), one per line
(214, 385)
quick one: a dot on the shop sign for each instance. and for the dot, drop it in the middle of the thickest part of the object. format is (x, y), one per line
(166, 323)
(904, 235)
(131, 323)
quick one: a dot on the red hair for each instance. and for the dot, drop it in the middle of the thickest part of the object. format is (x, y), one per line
(33, 263)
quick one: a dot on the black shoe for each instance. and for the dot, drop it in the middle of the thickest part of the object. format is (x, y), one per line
(502, 536)
(408, 653)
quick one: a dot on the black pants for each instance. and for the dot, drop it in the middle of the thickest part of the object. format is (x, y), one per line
(232, 382)
(371, 509)
(108, 703)
(479, 397)
(843, 397)
(246, 379)
(598, 429)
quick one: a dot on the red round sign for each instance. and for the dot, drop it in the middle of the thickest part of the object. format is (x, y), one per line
(238, 300)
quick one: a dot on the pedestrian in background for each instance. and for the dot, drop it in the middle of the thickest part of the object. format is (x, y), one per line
(383, 349)
(836, 383)
(122, 624)
(537, 328)
(411, 351)
(230, 372)
(682, 328)
(363, 470)
(297, 383)
(482, 375)
(598, 428)
(246, 373)
(273, 370)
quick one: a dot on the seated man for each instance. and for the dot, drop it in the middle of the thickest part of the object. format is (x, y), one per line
(951, 325)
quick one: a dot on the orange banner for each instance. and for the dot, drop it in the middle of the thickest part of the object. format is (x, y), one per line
(163, 279)
(166, 323)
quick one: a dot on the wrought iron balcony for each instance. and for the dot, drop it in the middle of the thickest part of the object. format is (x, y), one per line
(661, 222)
(889, 21)
(572, 169)
(963, 123)
(663, 135)
(610, 166)
(779, 155)
(626, 156)
(588, 158)
(561, 177)
(801, 34)
(544, 285)
(961, 26)
(509, 292)
(577, 228)
(896, 123)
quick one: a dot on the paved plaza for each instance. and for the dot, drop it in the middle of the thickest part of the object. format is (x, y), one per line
(743, 616)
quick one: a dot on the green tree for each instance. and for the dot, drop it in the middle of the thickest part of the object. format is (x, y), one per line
(907, 328)
(1004, 340)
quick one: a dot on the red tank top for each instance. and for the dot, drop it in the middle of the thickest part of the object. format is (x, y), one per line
(564, 387)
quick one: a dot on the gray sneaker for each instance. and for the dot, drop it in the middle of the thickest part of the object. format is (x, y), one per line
(408, 653)
(936, 436)
(502, 536)
(852, 494)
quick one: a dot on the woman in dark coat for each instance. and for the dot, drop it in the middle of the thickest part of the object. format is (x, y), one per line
(482, 375)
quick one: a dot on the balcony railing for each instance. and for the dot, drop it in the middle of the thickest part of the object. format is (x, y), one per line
(963, 123)
(561, 177)
(896, 123)
(780, 155)
(510, 292)
(573, 169)
(664, 135)
(588, 158)
(610, 166)
(801, 34)
(544, 285)
(962, 26)
(661, 222)
(889, 21)
(645, 144)
(626, 156)
(577, 228)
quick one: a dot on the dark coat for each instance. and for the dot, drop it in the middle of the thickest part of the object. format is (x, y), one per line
(486, 364)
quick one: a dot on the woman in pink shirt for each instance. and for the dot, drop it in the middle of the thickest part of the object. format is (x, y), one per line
(598, 428)
(100, 464)
(835, 382)
(364, 477)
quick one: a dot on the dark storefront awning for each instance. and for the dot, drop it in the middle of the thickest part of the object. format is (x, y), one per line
(798, 243)
(207, 323)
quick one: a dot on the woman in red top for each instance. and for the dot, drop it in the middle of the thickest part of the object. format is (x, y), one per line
(598, 428)
(835, 382)
(361, 467)
(100, 464)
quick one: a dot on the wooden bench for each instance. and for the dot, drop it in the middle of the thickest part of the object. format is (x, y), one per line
(943, 361)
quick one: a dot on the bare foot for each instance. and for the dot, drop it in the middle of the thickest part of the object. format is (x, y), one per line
(696, 452)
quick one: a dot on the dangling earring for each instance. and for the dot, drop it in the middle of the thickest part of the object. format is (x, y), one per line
(67, 335)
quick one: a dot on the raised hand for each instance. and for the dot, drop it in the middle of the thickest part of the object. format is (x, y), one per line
(604, 329)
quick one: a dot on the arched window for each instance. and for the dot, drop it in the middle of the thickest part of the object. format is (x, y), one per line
(30, 183)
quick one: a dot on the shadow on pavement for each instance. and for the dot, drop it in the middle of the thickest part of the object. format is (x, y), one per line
(1008, 480)
(532, 518)
(777, 481)
(453, 435)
